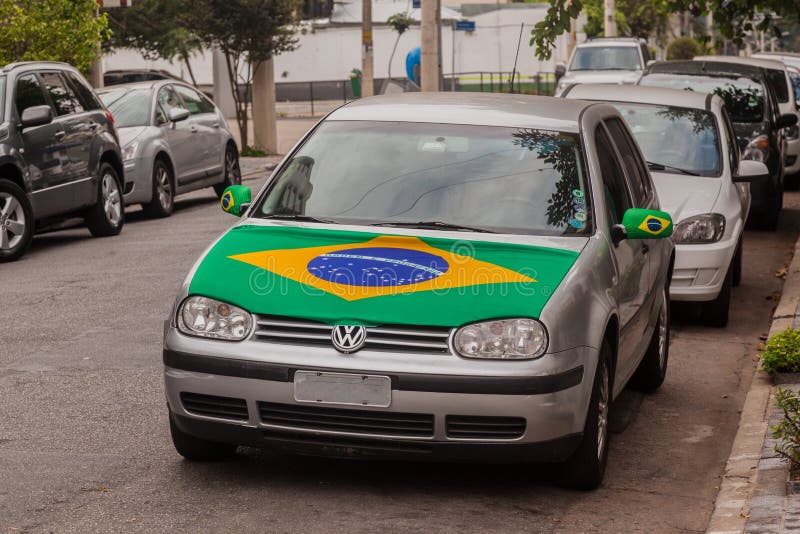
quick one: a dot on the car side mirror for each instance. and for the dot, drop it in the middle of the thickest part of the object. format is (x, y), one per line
(751, 171)
(650, 63)
(561, 70)
(235, 200)
(786, 121)
(178, 114)
(638, 223)
(36, 116)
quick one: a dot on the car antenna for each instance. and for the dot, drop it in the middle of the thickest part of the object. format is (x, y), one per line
(514, 71)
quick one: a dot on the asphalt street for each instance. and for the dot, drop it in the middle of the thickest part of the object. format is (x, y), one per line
(84, 439)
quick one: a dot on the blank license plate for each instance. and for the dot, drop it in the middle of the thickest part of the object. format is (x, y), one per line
(342, 388)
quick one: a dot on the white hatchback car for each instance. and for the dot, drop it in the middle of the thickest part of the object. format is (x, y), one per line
(691, 150)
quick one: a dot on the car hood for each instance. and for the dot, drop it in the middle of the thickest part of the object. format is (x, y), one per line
(126, 135)
(602, 76)
(685, 196)
(376, 278)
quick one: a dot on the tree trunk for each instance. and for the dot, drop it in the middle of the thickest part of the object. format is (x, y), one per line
(391, 56)
(185, 59)
(241, 110)
(265, 133)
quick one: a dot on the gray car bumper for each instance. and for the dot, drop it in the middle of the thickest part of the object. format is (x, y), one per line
(549, 409)
(139, 173)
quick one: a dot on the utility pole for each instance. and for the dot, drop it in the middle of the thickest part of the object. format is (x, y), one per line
(265, 128)
(367, 63)
(429, 60)
(610, 22)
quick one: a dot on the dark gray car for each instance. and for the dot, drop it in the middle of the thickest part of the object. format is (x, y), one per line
(59, 155)
(174, 140)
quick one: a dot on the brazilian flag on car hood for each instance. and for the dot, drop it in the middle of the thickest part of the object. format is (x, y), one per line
(334, 275)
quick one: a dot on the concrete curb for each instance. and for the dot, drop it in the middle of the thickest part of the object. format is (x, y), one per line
(732, 507)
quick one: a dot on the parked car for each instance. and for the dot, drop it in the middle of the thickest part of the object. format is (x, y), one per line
(125, 76)
(778, 73)
(753, 108)
(59, 155)
(691, 150)
(605, 60)
(432, 276)
(790, 59)
(174, 140)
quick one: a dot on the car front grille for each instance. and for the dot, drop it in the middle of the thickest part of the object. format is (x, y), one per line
(299, 417)
(212, 406)
(479, 427)
(386, 337)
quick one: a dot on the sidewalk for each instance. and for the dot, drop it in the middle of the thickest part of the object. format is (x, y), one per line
(752, 495)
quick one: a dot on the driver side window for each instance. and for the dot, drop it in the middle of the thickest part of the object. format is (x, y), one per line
(615, 189)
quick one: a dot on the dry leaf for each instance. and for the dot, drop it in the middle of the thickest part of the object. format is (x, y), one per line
(761, 346)
(781, 273)
(556, 520)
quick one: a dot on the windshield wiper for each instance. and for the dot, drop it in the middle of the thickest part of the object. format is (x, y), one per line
(298, 217)
(662, 167)
(438, 225)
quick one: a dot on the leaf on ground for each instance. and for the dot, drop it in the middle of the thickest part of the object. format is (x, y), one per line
(781, 273)
(556, 520)
(761, 346)
(725, 396)
(744, 515)
(775, 296)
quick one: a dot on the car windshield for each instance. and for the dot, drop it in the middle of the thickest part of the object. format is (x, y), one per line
(674, 139)
(130, 107)
(606, 58)
(460, 177)
(743, 97)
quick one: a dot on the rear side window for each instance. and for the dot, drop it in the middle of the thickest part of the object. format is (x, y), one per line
(634, 166)
(86, 96)
(778, 79)
(29, 93)
(62, 95)
(614, 188)
(194, 101)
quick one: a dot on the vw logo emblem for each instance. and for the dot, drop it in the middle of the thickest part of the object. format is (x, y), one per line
(348, 338)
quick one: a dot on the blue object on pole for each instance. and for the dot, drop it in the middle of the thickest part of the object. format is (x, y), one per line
(465, 25)
(415, 4)
(413, 60)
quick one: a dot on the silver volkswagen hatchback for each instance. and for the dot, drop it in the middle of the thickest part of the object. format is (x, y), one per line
(431, 276)
(174, 140)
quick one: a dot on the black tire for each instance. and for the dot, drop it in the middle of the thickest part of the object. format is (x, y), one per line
(198, 449)
(736, 264)
(107, 216)
(653, 368)
(15, 210)
(715, 312)
(232, 171)
(584, 470)
(768, 220)
(163, 185)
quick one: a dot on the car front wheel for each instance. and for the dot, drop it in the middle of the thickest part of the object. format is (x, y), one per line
(16, 221)
(163, 200)
(653, 368)
(107, 216)
(198, 449)
(584, 470)
(233, 174)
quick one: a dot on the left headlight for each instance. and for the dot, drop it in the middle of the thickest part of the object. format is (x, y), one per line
(129, 152)
(503, 339)
(205, 317)
(706, 228)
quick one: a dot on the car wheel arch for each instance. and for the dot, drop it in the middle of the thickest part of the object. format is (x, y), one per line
(611, 334)
(12, 173)
(111, 157)
(162, 155)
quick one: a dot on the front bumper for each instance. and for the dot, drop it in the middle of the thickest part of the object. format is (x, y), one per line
(138, 172)
(551, 406)
(700, 270)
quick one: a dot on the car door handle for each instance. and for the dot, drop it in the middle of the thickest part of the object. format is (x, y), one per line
(193, 129)
(60, 135)
(215, 124)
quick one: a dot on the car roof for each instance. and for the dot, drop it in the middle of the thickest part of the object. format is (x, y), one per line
(485, 109)
(704, 67)
(147, 84)
(642, 95)
(752, 61)
(36, 64)
(605, 41)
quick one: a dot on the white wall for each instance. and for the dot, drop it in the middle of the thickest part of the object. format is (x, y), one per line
(329, 53)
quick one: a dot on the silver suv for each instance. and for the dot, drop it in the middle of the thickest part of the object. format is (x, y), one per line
(59, 155)
(604, 60)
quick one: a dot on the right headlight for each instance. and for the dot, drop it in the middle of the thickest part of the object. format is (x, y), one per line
(205, 317)
(706, 228)
(502, 339)
(756, 149)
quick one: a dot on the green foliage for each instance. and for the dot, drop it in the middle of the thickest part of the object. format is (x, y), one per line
(635, 18)
(253, 152)
(732, 18)
(400, 22)
(683, 48)
(55, 30)
(782, 354)
(247, 32)
(154, 28)
(788, 430)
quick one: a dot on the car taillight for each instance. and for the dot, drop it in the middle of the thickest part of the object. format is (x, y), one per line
(113, 124)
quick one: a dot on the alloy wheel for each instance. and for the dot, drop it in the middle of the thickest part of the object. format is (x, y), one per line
(12, 222)
(602, 412)
(164, 188)
(662, 331)
(232, 173)
(112, 200)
